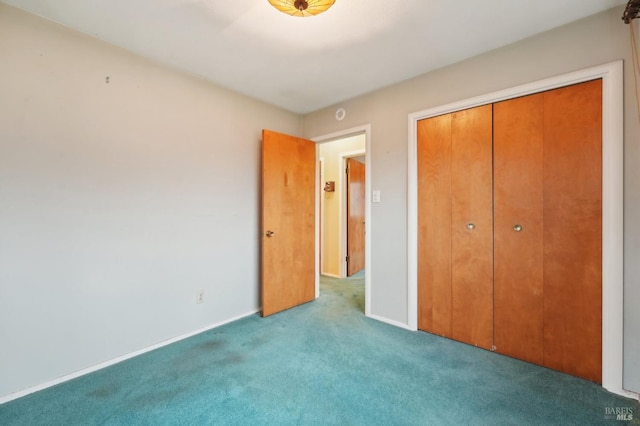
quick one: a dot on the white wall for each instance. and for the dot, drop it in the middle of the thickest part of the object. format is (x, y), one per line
(118, 201)
(596, 40)
(332, 154)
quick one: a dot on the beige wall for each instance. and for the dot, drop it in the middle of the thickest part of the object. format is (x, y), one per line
(596, 40)
(118, 201)
(332, 154)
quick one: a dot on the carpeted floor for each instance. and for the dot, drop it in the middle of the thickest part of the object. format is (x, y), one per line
(323, 363)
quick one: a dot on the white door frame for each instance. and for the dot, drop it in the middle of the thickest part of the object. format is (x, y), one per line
(366, 130)
(612, 203)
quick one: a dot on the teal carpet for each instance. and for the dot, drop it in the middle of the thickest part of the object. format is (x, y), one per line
(323, 363)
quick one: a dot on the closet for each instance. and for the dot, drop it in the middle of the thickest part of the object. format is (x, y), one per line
(510, 228)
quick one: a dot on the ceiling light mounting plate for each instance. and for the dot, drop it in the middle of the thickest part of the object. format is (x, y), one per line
(301, 5)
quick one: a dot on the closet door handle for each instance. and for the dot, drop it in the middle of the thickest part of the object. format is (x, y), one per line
(471, 226)
(517, 228)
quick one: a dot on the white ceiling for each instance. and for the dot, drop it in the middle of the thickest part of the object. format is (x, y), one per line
(303, 64)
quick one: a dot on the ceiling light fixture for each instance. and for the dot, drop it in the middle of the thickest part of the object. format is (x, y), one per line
(302, 7)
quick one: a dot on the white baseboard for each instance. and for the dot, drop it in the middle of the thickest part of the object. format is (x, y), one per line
(330, 275)
(391, 322)
(62, 379)
(629, 394)
(623, 392)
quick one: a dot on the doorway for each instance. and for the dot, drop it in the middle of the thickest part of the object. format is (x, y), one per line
(343, 170)
(333, 153)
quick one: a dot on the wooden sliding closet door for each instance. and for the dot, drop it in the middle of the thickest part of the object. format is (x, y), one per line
(510, 223)
(434, 225)
(548, 229)
(518, 245)
(472, 226)
(455, 268)
(573, 230)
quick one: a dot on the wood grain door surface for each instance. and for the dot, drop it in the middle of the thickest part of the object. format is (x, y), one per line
(518, 255)
(472, 226)
(434, 225)
(288, 222)
(573, 230)
(456, 224)
(355, 216)
(546, 234)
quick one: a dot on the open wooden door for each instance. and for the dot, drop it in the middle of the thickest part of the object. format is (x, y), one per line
(355, 216)
(288, 222)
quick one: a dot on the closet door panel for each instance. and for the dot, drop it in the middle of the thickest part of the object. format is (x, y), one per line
(518, 248)
(573, 230)
(434, 225)
(472, 226)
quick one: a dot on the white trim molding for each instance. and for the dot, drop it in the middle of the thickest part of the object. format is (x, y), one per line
(366, 130)
(612, 203)
(330, 275)
(390, 322)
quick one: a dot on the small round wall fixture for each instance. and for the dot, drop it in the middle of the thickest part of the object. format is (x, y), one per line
(340, 114)
(302, 8)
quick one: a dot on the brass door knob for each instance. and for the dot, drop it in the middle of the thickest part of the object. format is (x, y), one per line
(269, 234)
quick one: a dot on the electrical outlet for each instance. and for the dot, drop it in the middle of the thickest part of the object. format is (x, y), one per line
(200, 296)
